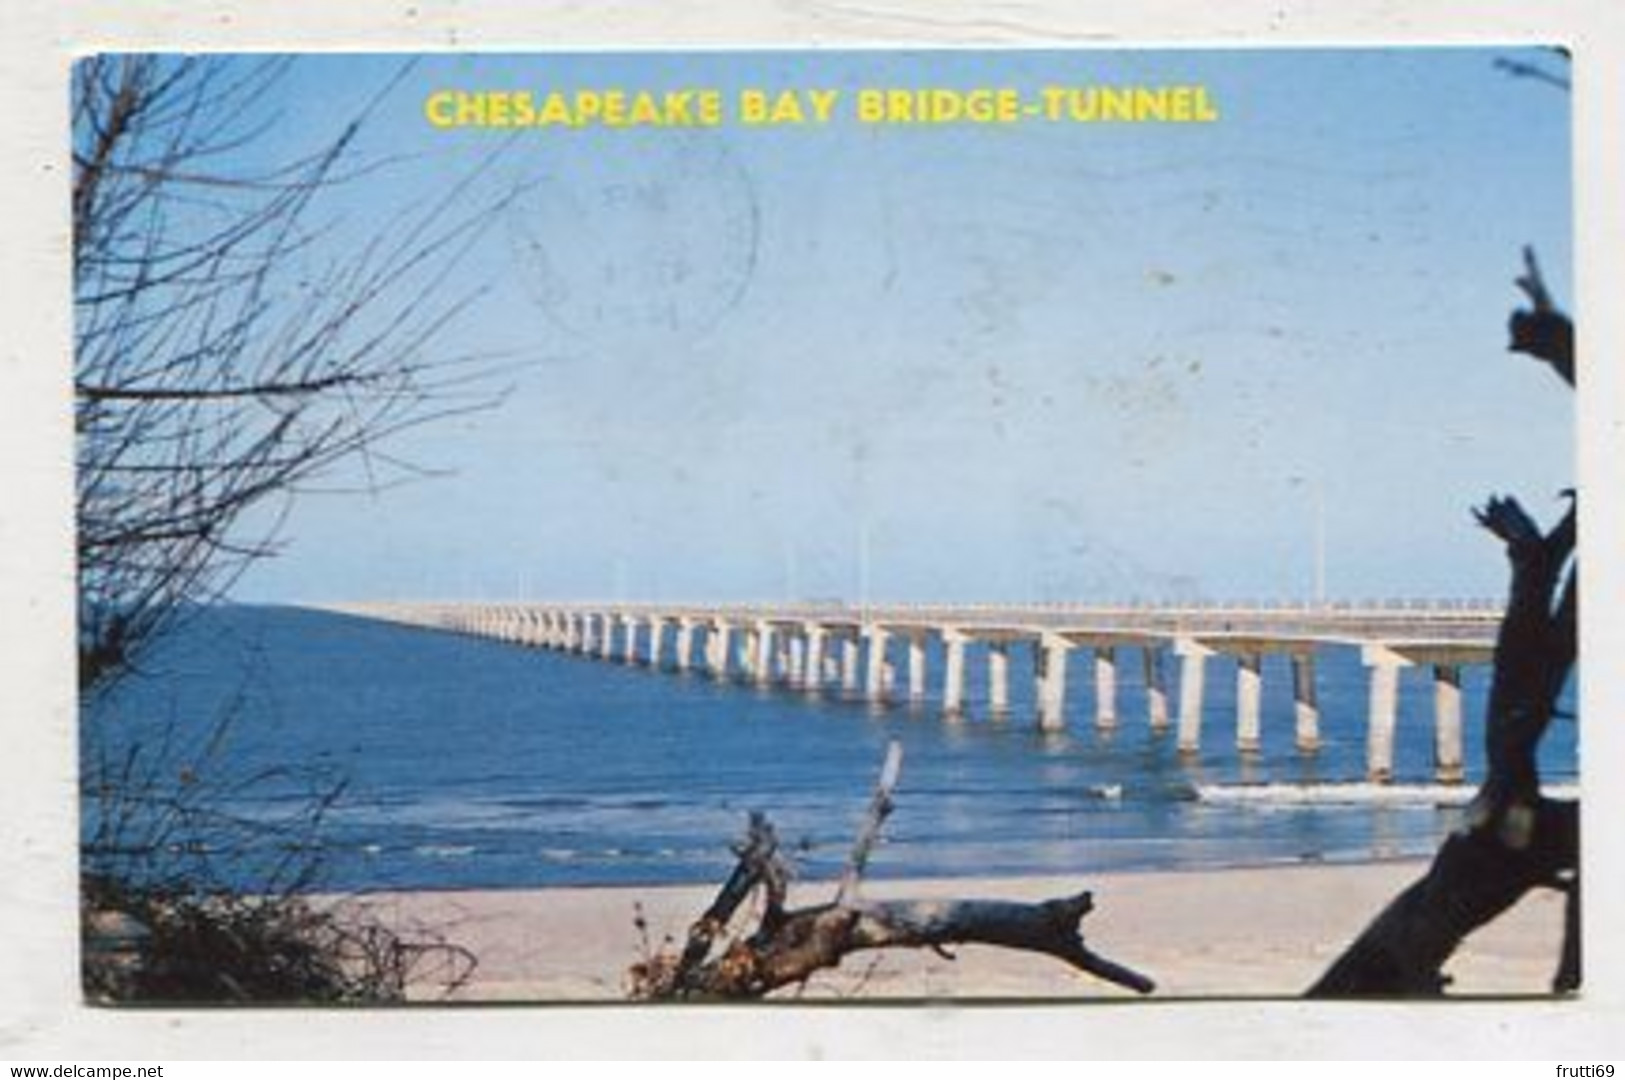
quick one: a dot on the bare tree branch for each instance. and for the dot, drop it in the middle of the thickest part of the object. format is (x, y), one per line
(1520, 69)
(224, 358)
(1542, 331)
(879, 807)
(1513, 839)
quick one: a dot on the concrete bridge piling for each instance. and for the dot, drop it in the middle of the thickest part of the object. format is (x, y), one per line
(832, 648)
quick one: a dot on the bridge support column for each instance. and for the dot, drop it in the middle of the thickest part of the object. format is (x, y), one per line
(1105, 687)
(683, 647)
(849, 665)
(657, 642)
(812, 667)
(1050, 682)
(629, 647)
(953, 672)
(998, 679)
(1156, 688)
(1383, 713)
(763, 641)
(1192, 677)
(1249, 701)
(1447, 760)
(916, 667)
(1305, 702)
(718, 645)
(606, 637)
(875, 673)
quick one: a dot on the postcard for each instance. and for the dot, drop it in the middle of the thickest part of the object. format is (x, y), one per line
(895, 524)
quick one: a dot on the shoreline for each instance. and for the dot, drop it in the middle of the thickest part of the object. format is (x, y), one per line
(1248, 932)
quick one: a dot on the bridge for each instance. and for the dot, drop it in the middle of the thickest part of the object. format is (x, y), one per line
(834, 647)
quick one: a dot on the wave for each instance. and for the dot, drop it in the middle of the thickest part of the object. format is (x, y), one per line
(1356, 793)
(659, 854)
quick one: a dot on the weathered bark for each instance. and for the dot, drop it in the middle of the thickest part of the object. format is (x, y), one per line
(758, 865)
(1513, 839)
(788, 947)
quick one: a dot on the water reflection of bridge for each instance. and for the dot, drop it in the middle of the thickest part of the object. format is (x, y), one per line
(818, 648)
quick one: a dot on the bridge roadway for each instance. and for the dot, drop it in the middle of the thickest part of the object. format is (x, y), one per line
(814, 648)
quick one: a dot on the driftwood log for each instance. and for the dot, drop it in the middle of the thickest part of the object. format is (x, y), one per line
(788, 946)
(1513, 838)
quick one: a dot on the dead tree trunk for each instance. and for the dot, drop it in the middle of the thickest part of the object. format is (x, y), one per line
(787, 947)
(1513, 838)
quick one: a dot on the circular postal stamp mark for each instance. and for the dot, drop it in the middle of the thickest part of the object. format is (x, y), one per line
(631, 239)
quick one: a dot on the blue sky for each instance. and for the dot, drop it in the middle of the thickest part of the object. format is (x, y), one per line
(1037, 362)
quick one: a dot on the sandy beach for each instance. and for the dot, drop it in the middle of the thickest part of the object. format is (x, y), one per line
(1240, 932)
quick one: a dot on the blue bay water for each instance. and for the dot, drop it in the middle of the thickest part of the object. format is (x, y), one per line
(474, 763)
